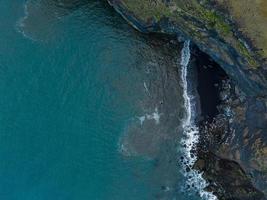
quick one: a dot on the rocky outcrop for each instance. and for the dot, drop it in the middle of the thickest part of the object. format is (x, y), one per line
(231, 136)
(231, 180)
(235, 137)
(233, 33)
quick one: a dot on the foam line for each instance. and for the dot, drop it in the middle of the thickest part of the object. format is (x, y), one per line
(191, 134)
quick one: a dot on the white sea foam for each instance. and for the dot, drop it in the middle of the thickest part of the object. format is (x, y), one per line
(153, 116)
(142, 119)
(20, 25)
(146, 88)
(191, 134)
(36, 22)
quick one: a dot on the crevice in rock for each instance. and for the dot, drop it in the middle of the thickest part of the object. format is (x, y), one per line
(210, 77)
(226, 175)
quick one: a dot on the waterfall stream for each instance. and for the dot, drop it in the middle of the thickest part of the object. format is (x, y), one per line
(190, 138)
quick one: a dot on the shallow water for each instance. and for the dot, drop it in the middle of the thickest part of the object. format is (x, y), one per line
(89, 108)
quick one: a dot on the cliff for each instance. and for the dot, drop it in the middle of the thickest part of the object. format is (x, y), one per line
(234, 34)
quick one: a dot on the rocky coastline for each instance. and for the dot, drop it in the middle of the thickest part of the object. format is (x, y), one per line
(233, 148)
(220, 148)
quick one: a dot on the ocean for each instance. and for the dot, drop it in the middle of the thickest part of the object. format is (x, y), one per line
(90, 109)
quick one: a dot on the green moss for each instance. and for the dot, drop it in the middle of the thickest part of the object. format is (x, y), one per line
(177, 10)
(246, 54)
(216, 21)
(210, 18)
(146, 9)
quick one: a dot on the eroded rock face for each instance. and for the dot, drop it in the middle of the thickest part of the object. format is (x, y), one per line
(247, 142)
(228, 179)
(232, 32)
(229, 170)
(236, 135)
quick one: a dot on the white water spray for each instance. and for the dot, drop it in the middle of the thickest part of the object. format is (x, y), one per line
(185, 59)
(191, 134)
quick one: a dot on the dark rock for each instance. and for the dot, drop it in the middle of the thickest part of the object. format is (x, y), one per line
(227, 178)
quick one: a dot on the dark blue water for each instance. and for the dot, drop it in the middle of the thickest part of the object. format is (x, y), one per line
(89, 108)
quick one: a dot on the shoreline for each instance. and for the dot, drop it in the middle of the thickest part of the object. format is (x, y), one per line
(227, 114)
(191, 133)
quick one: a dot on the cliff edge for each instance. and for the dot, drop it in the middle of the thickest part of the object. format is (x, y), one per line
(234, 34)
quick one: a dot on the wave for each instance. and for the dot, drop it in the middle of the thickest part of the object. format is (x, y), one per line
(194, 178)
(153, 116)
(20, 25)
(40, 19)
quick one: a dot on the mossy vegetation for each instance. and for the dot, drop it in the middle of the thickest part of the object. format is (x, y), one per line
(211, 21)
(246, 54)
(146, 9)
(251, 18)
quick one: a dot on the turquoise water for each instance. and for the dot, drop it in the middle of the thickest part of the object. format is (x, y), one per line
(88, 106)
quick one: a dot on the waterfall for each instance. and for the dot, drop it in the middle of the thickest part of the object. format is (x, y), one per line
(185, 59)
(190, 133)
